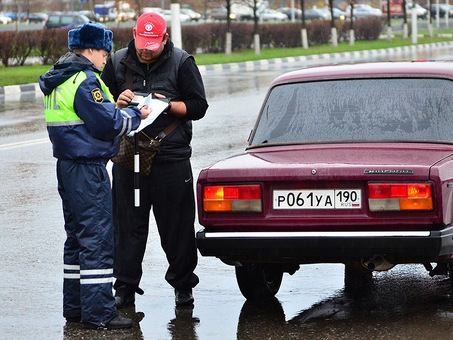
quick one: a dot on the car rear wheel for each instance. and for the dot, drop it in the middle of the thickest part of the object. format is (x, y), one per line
(357, 279)
(259, 281)
(450, 274)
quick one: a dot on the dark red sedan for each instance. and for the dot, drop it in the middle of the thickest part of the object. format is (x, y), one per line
(346, 164)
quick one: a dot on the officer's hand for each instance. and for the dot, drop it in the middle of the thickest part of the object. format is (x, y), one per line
(145, 111)
(124, 99)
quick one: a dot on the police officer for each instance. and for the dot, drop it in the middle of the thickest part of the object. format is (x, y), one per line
(85, 127)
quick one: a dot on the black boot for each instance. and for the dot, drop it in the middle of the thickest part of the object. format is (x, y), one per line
(124, 297)
(183, 297)
(116, 323)
(76, 318)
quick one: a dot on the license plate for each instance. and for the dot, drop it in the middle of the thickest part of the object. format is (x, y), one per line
(318, 199)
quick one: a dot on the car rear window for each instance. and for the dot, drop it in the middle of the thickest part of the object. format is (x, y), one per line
(357, 109)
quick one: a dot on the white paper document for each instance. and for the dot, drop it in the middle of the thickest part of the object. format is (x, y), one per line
(157, 107)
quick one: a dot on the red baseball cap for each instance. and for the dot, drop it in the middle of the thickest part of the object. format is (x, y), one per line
(150, 31)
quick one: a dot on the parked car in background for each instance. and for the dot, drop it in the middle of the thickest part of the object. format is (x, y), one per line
(396, 10)
(94, 17)
(66, 20)
(363, 11)
(166, 14)
(5, 19)
(194, 16)
(422, 13)
(338, 14)
(220, 14)
(268, 14)
(443, 9)
(316, 13)
(310, 14)
(10, 15)
(36, 17)
(288, 12)
(347, 164)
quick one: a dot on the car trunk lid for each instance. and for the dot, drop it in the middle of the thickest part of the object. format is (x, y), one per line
(301, 184)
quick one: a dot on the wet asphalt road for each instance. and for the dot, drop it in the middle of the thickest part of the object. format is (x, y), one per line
(405, 303)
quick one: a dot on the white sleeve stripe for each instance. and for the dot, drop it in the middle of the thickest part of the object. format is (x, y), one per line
(127, 123)
(71, 276)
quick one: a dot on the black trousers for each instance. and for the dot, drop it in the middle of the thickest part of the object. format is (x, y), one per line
(169, 192)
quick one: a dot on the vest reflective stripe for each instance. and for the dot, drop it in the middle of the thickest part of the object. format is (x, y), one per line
(59, 105)
(72, 122)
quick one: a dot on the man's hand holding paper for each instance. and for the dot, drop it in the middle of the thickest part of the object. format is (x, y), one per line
(157, 106)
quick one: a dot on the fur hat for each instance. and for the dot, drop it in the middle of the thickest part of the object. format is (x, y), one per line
(91, 35)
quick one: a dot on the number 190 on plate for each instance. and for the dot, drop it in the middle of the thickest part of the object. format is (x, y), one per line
(317, 199)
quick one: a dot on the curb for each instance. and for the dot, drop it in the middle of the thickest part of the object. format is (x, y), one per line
(256, 64)
(30, 91)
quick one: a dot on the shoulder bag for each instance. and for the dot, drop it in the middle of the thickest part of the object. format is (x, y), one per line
(148, 148)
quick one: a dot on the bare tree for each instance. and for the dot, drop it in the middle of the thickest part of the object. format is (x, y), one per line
(304, 26)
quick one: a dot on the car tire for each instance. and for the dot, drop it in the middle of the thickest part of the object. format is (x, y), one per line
(450, 274)
(258, 282)
(356, 279)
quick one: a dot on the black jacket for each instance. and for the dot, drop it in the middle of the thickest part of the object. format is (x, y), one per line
(176, 76)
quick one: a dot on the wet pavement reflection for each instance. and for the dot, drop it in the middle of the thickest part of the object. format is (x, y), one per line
(404, 303)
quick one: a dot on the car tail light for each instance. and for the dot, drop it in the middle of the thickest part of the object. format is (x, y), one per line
(232, 198)
(400, 196)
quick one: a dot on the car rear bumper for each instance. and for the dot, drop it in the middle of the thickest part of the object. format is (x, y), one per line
(327, 247)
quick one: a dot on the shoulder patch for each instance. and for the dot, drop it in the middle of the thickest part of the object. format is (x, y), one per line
(97, 95)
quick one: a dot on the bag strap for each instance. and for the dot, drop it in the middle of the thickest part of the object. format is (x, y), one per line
(164, 133)
(116, 59)
(129, 78)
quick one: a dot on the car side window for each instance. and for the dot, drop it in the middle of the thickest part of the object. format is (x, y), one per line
(67, 20)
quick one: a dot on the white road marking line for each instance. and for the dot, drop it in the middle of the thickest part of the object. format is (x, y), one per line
(24, 143)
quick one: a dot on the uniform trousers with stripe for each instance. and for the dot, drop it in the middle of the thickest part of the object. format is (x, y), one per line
(84, 187)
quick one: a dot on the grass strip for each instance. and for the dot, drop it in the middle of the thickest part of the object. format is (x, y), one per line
(15, 75)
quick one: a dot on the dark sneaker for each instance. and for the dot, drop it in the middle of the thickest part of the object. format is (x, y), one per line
(124, 297)
(183, 297)
(116, 323)
(77, 318)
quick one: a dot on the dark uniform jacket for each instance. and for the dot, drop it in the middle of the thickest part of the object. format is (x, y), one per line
(99, 126)
(174, 75)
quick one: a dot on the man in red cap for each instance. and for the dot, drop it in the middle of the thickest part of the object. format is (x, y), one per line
(151, 64)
